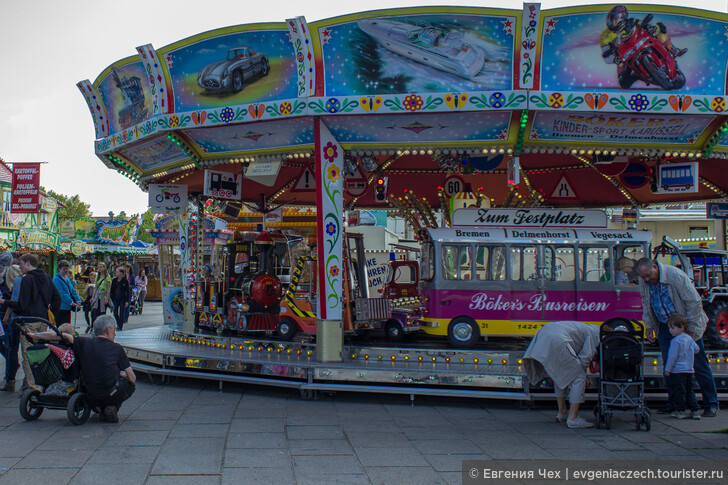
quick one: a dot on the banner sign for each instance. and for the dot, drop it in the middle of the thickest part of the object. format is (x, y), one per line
(545, 218)
(26, 182)
(677, 178)
(117, 232)
(167, 198)
(38, 239)
(618, 128)
(222, 185)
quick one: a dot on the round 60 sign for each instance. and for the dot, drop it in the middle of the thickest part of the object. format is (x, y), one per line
(454, 184)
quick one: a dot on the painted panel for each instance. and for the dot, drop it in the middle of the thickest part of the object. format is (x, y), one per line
(576, 52)
(303, 46)
(96, 106)
(158, 82)
(329, 231)
(127, 95)
(618, 128)
(430, 52)
(420, 128)
(253, 136)
(231, 68)
(155, 153)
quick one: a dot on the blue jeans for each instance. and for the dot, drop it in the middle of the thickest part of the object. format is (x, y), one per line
(119, 312)
(9, 345)
(703, 374)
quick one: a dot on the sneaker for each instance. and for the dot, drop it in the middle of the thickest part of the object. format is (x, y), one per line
(579, 423)
(561, 418)
(710, 412)
(665, 410)
(111, 414)
(695, 414)
(680, 414)
(8, 386)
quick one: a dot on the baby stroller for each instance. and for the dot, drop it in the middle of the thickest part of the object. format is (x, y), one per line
(621, 386)
(134, 307)
(56, 370)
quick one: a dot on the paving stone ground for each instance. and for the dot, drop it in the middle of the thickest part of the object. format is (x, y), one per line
(188, 432)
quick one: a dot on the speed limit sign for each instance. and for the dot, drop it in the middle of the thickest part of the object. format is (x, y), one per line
(453, 185)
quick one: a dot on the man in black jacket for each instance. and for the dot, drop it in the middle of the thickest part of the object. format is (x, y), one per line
(37, 295)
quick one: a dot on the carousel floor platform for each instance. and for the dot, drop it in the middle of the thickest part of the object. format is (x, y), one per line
(167, 351)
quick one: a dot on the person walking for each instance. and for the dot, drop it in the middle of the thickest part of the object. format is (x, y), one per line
(141, 282)
(120, 295)
(667, 291)
(70, 299)
(38, 295)
(13, 278)
(129, 271)
(100, 298)
(88, 300)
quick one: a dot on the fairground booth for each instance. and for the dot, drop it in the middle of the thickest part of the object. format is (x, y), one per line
(415, 111)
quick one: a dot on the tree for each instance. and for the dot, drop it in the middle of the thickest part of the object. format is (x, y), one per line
(147, 223)
(75, 207)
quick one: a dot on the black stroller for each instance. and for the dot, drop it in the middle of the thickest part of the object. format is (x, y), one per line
(621, 386)
(56, 370)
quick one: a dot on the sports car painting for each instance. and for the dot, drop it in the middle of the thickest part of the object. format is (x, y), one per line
(241, 65)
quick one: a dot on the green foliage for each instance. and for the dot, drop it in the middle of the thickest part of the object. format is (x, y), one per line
(146, 223)
(75, 207)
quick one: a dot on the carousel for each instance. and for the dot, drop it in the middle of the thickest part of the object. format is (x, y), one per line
(414, 111)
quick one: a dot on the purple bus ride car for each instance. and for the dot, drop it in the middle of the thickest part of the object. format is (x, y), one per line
(509, 281)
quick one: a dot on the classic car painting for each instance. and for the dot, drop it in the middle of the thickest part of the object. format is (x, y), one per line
(242, 64)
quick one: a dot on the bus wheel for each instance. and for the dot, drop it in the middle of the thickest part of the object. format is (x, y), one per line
(716, 333)
(463, 332)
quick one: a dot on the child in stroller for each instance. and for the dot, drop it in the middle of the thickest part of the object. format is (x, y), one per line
(57, 371)
(621, 386)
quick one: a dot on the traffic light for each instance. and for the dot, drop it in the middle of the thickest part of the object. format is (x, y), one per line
(380, 189)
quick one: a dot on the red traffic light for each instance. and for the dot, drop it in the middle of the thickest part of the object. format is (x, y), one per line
(380, 181)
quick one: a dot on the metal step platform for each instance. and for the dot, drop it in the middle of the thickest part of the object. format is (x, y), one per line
(168, 351)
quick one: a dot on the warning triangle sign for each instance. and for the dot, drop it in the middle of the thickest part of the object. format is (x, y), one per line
(306, 182)
(356, 184)
(563, 190)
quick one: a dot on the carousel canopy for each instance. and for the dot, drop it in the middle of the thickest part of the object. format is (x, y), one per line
(551, 107)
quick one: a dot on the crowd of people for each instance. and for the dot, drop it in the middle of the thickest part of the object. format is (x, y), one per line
(28, 291)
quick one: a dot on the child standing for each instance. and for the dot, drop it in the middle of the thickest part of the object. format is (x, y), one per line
(679, 367)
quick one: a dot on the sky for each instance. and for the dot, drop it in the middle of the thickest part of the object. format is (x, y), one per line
(47, 46)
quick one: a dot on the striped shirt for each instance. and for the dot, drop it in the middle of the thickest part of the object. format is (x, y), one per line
(661, 302)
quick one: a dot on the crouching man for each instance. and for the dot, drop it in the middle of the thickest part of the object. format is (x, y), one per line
(105, 368)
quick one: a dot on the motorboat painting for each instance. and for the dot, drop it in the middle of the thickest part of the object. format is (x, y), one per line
(427, 45)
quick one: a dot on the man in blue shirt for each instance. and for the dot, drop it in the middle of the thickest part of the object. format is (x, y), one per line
(70, 300)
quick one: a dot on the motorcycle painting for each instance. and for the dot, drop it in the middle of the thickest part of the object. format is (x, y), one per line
(655, 49)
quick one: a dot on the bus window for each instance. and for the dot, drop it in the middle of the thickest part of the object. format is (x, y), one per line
(498, 263)
(559, 266)
(456, 262)
(595, 264)
(428, 262)
(523, 263)
(490, 263)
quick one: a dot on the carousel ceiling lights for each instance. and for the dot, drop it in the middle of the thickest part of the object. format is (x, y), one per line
(369, 163)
